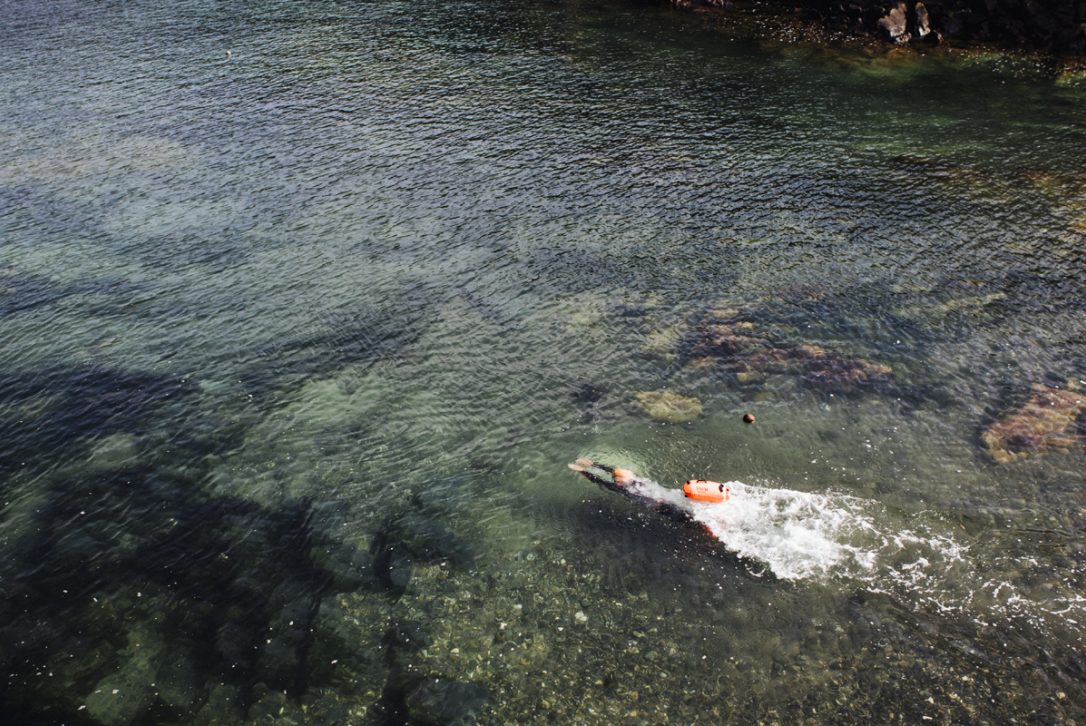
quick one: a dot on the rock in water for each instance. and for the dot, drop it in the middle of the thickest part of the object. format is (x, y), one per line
(895, 24)
(669, 406)
(430, 541)
(586, 394)
(117, 451)
(122, 697)
(437, 701)
(923, 25)
(392, 566)
(346, 568)
(1048, 420)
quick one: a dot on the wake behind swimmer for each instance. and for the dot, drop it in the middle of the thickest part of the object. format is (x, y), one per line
(792, 534)
(699, 502)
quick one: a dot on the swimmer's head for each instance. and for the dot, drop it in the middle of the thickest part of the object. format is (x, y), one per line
(622, 476)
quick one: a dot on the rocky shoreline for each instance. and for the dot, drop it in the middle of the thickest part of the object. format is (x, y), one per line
(1057, 30)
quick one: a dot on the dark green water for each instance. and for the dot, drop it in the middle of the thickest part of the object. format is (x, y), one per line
(306, 306)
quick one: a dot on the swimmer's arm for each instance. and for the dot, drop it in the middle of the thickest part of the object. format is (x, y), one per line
(595, 478)
(588, 464)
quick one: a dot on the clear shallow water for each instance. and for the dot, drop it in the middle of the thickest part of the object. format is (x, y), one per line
(306, 307)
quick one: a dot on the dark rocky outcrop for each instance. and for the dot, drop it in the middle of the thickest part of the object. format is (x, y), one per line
(895, 24)
(1059, 27)
(923, 22)
(903, 23)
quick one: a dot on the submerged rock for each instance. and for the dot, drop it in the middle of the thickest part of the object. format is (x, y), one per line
(180, 685)
(414, 538)
(832, 371)
(115, 451)
(425, 540)
(348, 568)
(223, 706)
(1064, 186)
(1048, 420)
(662, 342)
(728, 340)
(404, 640)
(392, 566)
(1054, 26)
(437, 701)
(586, 394)
(753, 354)
(123, 696)
(348, 644)
(669, 406)
(274, 706)
(752, 344)
(279, 663)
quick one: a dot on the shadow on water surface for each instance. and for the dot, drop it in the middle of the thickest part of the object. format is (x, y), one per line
(198, 587)
(21, 292)
(122, 573)
(336, 341)
(74, 404)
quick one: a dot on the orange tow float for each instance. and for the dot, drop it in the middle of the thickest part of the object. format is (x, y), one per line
(703, 490)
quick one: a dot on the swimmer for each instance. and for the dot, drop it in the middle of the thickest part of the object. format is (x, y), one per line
(625, 481)
(620, 479)
(689, 506)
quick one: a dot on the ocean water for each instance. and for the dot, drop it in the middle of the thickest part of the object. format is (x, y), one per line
(305, 308)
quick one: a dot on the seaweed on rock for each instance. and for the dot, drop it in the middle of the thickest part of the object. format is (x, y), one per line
(740, 343)
(1051, 419)
(668, 406)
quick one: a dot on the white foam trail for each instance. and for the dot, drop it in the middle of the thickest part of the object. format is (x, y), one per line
(796, 534)
(803, 535)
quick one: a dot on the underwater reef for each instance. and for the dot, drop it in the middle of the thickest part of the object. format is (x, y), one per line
(1049, 420)
(747, 345)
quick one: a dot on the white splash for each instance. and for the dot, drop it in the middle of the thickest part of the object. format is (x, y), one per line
(796, 534)
(832, 536)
